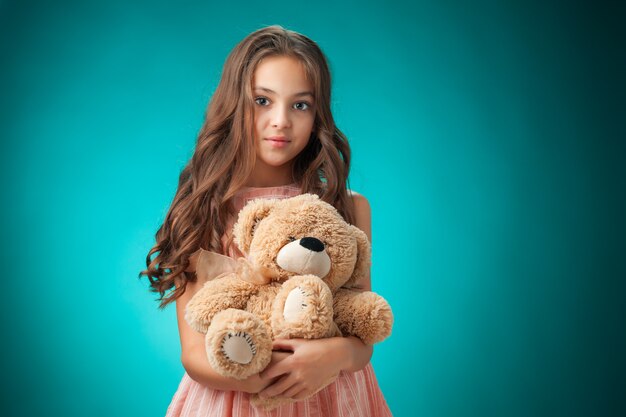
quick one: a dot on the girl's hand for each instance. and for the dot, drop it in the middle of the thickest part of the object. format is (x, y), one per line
(312, 365)
(254, 383)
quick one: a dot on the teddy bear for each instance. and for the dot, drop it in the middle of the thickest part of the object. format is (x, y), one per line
(301, 259)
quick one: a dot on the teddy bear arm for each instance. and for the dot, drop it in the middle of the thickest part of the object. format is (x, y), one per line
(363, 314)
(216, 296)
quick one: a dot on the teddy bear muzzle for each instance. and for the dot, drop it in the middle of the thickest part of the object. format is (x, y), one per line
(304, 256)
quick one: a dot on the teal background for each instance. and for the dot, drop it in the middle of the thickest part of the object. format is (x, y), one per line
(488, 137)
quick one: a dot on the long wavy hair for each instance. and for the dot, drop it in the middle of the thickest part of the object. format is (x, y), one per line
(225, 155)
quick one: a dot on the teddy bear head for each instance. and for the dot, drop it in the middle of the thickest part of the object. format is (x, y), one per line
(302, 235)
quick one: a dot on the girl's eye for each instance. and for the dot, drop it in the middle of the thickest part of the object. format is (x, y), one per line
(262, 99)
(301, 105)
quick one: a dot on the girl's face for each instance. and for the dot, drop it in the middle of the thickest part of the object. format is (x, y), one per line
(284, 111)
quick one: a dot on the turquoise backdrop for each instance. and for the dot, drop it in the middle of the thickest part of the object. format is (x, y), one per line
(489, 138)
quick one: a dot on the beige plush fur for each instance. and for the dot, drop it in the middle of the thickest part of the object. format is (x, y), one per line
(301, 260)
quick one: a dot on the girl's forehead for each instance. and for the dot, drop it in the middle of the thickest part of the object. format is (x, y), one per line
(284, 76)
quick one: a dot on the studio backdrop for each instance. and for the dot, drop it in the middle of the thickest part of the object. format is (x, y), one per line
(488, 138)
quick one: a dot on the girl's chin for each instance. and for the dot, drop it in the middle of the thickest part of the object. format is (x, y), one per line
(275, 159)
(277, 164)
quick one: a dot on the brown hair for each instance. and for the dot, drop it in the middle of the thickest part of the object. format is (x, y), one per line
(224, 157)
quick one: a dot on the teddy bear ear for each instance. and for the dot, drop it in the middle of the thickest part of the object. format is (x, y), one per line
(249, 216)
(363, 258)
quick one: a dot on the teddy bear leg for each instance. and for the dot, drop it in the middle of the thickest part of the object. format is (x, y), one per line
(238, 344)
(303, 308)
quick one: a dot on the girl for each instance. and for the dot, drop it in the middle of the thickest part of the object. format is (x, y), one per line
(268, 133)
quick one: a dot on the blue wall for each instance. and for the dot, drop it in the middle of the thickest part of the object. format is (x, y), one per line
(488, 138)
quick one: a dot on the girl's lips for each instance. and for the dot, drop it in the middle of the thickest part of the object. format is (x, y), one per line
(277, 142)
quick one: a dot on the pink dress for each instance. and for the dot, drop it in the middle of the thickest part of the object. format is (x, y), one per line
(351, 394)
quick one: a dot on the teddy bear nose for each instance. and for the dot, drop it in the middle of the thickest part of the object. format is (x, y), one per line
(312, 243)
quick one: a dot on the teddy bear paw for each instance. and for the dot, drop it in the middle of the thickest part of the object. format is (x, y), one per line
(365, 314)
(238, 347)
(303, 308)
(295, 305)
(238, 344)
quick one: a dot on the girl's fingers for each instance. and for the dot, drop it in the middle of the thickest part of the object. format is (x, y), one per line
(301, 395)
(283, 366)
(284, 384)
(292, 392)
(276, 369)
(285, 344)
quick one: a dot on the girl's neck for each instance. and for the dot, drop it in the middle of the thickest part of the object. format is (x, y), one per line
(269, 176)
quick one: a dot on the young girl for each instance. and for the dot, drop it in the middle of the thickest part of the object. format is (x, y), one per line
(268, 133)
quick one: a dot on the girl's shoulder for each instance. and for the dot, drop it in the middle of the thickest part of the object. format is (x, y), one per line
(357, 198)
(362, 212)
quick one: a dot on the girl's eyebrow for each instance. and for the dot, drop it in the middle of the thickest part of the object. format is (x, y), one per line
(303, 93)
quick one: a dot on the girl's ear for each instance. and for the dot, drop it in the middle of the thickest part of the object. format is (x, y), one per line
(249, 216)
(363, 257)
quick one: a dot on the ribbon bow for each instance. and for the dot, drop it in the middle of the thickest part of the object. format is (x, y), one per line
(210, 265)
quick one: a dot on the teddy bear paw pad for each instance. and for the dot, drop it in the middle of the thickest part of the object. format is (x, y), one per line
(294, 304)
(238, 347)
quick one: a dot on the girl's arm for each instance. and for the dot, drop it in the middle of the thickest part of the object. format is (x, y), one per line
(194, 358)
(314, 363)
(363, 220)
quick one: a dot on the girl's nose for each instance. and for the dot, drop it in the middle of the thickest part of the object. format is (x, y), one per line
(280, 117)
